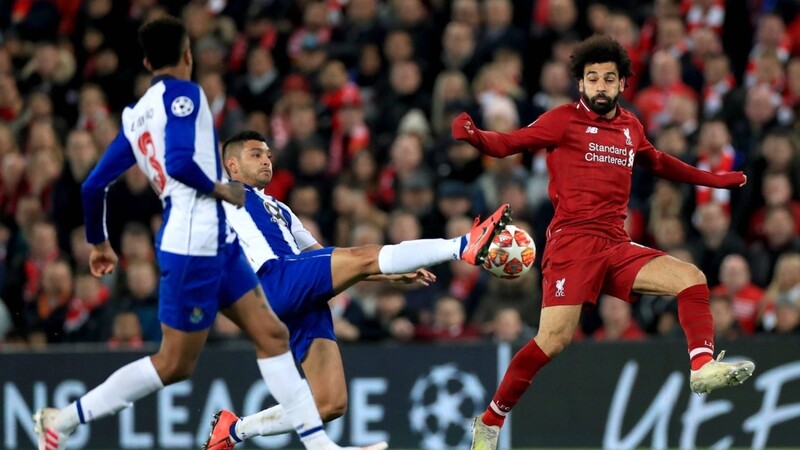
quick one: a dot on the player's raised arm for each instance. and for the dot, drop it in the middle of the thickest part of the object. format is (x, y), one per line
(542, 133)
(673, 169)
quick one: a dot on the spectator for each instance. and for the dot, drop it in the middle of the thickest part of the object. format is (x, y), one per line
(669, 233)
(86, 315)
(352, 208)
(417, 197)
(258, 88)
(745, 296)
(451, 87)
(716, 240)
(142, 298)
(776, 191)
(348, 318)
(467, 12)
(725, 325)
(226, 113)
(617, 321)
(652, 101)
(719, 82)
(449, 323)
(499, 31)
(48, 311)
(787, 312)
(403, 95)
(779, 238)
(26, 273)
(715, 154)
(81, 155)
(132, 200)
(92, 107)
(465, 282)
(407, 156)
(785, 278)
(126, 332)
(507, 326)
(391, 318)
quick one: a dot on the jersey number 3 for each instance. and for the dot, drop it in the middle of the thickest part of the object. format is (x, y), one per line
(148, 149)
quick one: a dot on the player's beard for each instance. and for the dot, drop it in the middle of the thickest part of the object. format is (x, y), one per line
(601, 108)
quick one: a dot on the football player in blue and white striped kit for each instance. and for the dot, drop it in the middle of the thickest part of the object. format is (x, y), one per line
(169, 134)
(299, 276)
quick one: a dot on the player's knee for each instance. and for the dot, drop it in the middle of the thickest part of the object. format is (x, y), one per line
(332, 408)
(278, 332)
(552, 344)
(173, 370)
(693, 276)
(365, 257)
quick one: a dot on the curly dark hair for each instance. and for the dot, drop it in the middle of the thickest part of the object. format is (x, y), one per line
(600, 49)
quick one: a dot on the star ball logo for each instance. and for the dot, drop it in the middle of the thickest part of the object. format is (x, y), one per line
(443, 403)
(182, 106)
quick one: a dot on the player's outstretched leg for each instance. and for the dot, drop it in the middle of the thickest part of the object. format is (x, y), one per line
(482, 233)
(484, 437)
(223, 435)
(350, 265)
(716, 374)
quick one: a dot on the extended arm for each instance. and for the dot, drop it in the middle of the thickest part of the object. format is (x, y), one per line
(673, 169)
(537, 135)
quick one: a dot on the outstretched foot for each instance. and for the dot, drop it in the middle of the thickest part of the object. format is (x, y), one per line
(49, 437)
(716, 374)
(482, 234)
(484, 437)
(220, 437)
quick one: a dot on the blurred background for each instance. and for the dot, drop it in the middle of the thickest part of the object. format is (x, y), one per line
(356, 98)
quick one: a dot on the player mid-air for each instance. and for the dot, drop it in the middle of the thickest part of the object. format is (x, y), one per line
(591, 146)
(170, 134)
(299, 276)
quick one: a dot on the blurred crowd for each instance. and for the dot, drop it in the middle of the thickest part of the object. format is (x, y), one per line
(356, 98)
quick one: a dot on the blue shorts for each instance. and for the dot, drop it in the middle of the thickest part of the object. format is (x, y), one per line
(194, 288)
(298, 289)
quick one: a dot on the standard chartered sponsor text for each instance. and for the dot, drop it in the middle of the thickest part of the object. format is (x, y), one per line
(606, 154)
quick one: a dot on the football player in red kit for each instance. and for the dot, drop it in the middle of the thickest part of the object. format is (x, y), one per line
(592, 145)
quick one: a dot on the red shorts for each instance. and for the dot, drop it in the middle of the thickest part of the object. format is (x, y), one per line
(576, 269)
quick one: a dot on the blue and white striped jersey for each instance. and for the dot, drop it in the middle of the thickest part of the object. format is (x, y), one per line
(267, 228)
(170, 134)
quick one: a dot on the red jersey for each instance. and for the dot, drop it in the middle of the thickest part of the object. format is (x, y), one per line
(590, 159)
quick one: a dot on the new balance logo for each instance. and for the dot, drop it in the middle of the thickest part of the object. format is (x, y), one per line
(560, 287)
(591, 130)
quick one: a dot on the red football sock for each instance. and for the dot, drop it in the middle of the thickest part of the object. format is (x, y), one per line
(518, 377)
(697, 323)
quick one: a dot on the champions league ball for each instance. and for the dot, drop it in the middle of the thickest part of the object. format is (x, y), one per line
(511, 253)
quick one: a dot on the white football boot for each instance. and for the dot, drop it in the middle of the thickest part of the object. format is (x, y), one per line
(484, 437)
(716, 374)
(49, 437)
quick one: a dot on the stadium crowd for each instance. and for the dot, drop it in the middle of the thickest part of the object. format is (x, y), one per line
(356, 98)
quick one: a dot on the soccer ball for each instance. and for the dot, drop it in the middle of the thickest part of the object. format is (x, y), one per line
(511, 253)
